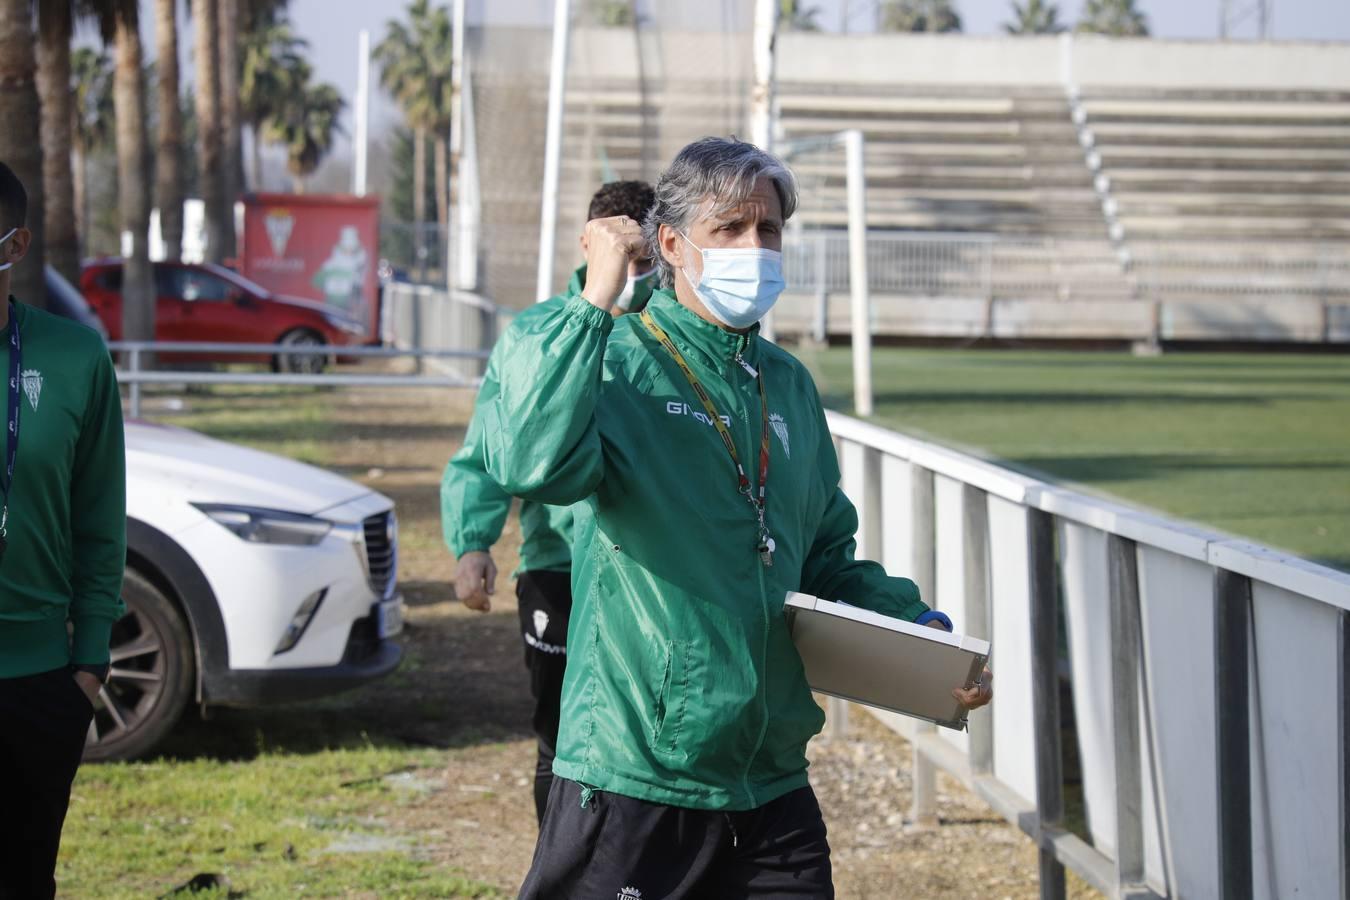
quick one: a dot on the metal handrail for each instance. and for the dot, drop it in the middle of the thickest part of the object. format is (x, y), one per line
(1183, 634)
(282, 349)
(135, 377)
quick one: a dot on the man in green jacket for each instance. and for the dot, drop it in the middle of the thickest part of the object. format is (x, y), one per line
(62, 550)
(474, 508)
(711, 485)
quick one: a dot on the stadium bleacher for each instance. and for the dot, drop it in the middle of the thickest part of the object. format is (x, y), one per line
(1061, 187)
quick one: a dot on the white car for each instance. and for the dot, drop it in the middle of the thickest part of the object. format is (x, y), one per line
(251, 580)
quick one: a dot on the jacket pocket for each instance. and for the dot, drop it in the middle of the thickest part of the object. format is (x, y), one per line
(671, 700)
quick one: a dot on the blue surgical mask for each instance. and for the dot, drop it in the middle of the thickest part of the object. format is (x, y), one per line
(739, 285)
(8, 235)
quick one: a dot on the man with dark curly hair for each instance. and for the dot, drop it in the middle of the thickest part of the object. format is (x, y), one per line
(474, 508)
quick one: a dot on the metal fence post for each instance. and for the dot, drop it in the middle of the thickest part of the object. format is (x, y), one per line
(418, 296)
(134, 361)
(1045, 696)
(822, 324)
(1126, 651)
(1232, 613)
(923, 570)
(979, 613)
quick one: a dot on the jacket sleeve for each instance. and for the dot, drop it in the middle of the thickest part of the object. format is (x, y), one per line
(473, 506)
(98, 503)
(832, 572)
(541, 440)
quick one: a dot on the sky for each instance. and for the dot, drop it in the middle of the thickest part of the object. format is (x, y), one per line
(332, 26)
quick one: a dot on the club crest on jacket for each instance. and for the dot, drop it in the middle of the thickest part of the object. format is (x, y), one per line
(32, 386)
(780, 428)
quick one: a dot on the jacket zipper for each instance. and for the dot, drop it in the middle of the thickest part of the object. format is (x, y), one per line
(763, 609)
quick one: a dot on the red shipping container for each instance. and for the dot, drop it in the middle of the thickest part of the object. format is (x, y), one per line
(322, 246)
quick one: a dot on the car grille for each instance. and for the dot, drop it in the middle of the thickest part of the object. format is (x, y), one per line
(381, 552)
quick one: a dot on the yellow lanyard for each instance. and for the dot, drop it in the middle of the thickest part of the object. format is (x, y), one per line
(766, 542)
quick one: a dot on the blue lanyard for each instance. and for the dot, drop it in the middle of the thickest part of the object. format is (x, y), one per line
(15, 374)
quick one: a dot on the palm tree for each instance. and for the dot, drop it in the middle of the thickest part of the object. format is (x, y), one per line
(919, 15)
(205, 23)
(169, 137)
(793, 17)
(56, 25)
(415, 62)
(613, 13)
(227, 24)
(119, 21)
(1035, 17)
(1117, 18)
(307, 126)
(271, 63)
(92, 123)
(18, 150)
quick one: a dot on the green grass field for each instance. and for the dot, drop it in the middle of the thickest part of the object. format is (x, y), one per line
(1257, 445)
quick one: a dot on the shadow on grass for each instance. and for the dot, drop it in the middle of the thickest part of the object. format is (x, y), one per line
(1085, 397)
(1144, 466)
(462, 683)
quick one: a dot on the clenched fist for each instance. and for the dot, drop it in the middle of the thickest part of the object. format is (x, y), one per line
(476, 580)
(611, 244)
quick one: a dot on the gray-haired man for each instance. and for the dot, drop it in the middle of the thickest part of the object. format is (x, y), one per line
(713, 490)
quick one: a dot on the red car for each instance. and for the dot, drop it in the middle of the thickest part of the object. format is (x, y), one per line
(207, 303)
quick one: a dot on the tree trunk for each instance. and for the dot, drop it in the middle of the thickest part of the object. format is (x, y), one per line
(138, 294)
(256, 144)
(209, 156)
(55, 25)
(442, 182)
(230, 142)
(81, 180)
(19, 105)
(169, 141)
(419, 190)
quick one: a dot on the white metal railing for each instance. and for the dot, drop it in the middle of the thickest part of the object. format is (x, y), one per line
(134, 374)
(1209, 678)
(934, 264)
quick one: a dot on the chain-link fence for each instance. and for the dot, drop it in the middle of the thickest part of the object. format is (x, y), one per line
(642, 81)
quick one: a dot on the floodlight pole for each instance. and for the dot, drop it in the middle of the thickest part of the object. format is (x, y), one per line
(557, 83)
(461, 254)
(762, 99)
(362, 113)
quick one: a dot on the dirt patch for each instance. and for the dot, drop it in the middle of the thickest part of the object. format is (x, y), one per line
(463, 689)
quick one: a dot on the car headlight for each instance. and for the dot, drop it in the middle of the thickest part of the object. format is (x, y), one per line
(268, 526)
(342, 323)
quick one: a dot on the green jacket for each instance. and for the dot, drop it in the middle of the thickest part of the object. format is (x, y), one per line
(67, 506)
(473, 507)
(683, 686)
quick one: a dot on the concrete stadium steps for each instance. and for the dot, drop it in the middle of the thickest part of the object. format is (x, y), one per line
(953, 157)
(1225, 165)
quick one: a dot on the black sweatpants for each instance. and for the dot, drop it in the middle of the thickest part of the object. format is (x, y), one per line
(43, 722)
(617, 846)
(545, 602)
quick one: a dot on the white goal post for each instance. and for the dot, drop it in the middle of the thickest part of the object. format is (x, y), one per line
(854, 145)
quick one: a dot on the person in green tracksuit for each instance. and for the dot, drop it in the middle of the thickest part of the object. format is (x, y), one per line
(474, 509)
(62, 551)
(711, 487)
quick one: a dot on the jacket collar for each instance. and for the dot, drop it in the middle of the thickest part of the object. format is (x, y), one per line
(715, 345)
(578, 282)
(641, 294)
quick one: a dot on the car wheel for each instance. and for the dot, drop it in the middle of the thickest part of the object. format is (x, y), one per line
(151, 679)
(297, 363)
